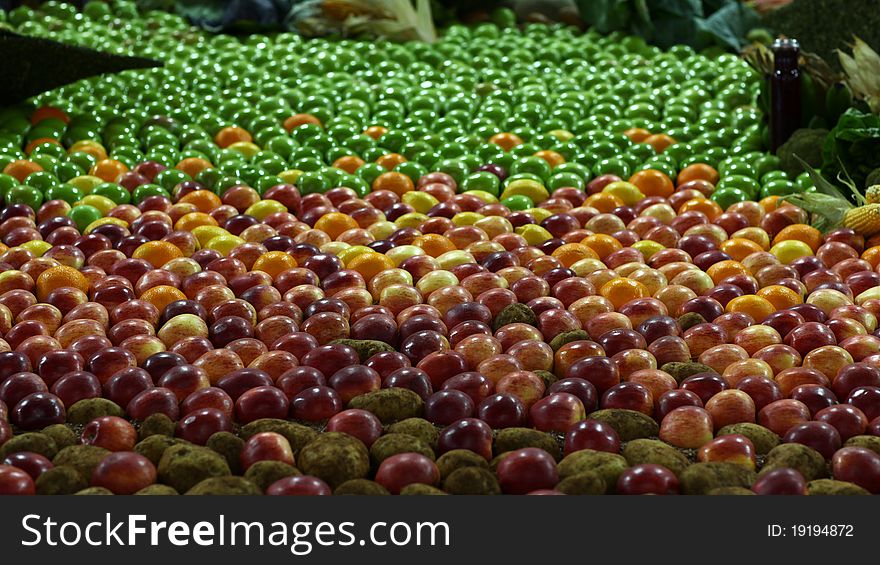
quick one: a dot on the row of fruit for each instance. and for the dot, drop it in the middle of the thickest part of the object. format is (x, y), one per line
(510, 262)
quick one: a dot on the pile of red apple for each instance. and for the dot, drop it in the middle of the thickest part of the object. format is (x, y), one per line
(246, 346)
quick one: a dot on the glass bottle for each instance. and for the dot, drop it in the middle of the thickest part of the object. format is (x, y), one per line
(785, 91)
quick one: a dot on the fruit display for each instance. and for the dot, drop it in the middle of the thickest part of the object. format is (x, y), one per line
(514, 261)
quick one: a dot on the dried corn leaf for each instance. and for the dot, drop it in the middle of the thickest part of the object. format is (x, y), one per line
(394, 19)
(862, 70)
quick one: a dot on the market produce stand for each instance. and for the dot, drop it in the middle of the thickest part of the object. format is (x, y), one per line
(521, 258)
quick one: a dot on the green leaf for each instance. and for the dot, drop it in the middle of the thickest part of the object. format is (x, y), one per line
(606, 15)
(712, 6)
(698, 23)
(730, 25)
(670, 31)
(847, 181)
(683, 9)
(853, 145)
(821, 183)
(642, 11)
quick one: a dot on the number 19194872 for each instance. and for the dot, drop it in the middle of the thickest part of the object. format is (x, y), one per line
(810, 530)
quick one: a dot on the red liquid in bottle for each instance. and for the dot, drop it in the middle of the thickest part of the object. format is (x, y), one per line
(785, 92)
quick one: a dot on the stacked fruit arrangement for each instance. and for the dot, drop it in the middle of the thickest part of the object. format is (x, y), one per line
(509, 262)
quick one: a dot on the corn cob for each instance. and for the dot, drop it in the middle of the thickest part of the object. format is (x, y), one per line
(872, 195)
(863, 219)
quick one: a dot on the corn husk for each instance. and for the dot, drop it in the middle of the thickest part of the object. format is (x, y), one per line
(827, 206)
(862, 70)
(391, 19)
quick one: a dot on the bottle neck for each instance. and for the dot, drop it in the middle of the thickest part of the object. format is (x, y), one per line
(785, 56)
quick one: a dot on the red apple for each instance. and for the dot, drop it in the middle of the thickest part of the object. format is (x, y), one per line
(783, 414)
(733, 448)
(361, 424)
(591, 434)
(124, 473)
(782, 481)
(647, 479)
(557, 412)
(266, 446)
(110, 432)
(14, 481)
(526, 470)
(687, 427)
(404, 469)
(731, 407)
(857, 465)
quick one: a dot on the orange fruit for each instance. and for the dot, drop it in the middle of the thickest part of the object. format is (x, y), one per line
(297, 120)
(157, 253)
(398, 183)
(800, 232)
(376, 131)
(370, 264)
(93, 148)
(232, 134)
(697, 171)
(781, 297)
(769, 203)
(724, 269)
(637, 135)
(108, 170)
(753, 234)
(193, 166)
(872, 255)
(60, 276)
(390, 160)
(349, 163)
(334, 223)
(162, 295)
(434, 244)
(205, 201)
(739, 247)
(659, 141)
(553, 158)
(704, 205)
(192, 220)
(605, 202)
(620, 290)
(602, 245)
(570, 253)
(274, 262)
(755, 306)
(652, 182)
(20, 169)
(506, 141)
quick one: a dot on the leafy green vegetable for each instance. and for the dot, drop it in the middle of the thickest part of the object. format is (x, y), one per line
(698, 23)
(609, 15)
(853, 147)
(730, 24)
